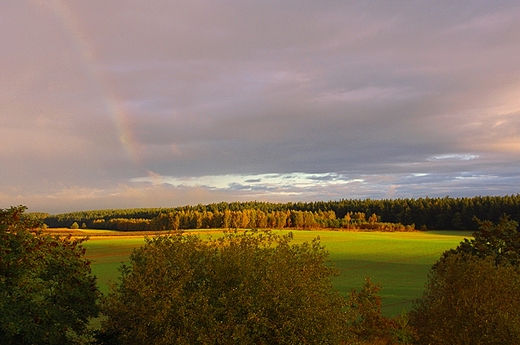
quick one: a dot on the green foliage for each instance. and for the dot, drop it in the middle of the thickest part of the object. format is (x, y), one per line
(473, 291)
(251, 288)
(401, 330)
(469, 300)
(47, 294)
(391, 214)
(369, 325)
(500, 241)
(74, 226)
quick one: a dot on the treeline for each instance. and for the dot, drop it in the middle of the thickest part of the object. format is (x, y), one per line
(248, 219)
(388, 214)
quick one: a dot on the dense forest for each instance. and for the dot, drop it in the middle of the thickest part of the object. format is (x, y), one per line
(445, 213)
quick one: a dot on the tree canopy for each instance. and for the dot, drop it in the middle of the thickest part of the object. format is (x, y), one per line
(445, 213)
(473, 291)
(251, 288)
(469, 300)
(500, 241)
(47, 292)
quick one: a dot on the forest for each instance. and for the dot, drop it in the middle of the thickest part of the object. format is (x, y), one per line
(445, 213)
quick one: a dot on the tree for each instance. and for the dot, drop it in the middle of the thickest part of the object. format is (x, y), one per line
(47, 292)
(469, 300)
(473, 290)
(369, 324)
(500, 241)
(250, 288)
(373, 218)
(359, 217)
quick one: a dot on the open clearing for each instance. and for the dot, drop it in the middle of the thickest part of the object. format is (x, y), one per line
(400, 261)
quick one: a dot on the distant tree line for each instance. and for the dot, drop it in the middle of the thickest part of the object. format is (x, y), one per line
(445, 213)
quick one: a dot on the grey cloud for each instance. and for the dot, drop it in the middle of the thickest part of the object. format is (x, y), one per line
(97, 94)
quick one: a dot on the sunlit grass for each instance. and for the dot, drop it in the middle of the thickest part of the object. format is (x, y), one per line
(107, 254)
(400, 261)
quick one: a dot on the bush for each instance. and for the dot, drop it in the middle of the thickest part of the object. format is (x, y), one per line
(469, 300)
(251, 288)
(47, 292)
(501, 241)
(369, 326)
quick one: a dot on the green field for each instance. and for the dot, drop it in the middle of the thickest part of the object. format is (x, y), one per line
(400, 261)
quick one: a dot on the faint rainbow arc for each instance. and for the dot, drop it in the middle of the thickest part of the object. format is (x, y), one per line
(113, 106)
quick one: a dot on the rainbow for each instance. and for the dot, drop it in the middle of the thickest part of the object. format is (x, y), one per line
(114, 107)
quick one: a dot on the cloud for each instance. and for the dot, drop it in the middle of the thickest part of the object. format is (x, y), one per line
(453, 156)
(218, 100)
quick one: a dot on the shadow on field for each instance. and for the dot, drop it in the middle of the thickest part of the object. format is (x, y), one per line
(463, 233)
(401, 282)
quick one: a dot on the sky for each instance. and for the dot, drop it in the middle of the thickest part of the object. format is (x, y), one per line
(161, 103)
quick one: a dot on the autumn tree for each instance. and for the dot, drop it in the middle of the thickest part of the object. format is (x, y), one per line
(500, 241)
(47, 292)
(469, 300)
(473, 291)
(251, 288)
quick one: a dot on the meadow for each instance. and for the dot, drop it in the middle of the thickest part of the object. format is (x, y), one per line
(400, 261)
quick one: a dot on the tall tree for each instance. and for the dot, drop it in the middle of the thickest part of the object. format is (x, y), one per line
(469, 300)
(500, 241)
(47, 292)
(473, 291)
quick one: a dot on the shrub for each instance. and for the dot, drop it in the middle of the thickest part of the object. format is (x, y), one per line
(47, 292)
(500, 241)
(369, 326)
(251, 288)
(469, 300)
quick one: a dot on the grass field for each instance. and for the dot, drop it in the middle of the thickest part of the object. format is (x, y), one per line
(400, 261)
